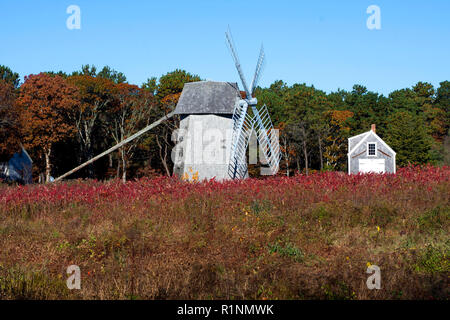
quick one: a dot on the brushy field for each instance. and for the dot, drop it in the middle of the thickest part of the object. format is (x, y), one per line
(304, 237)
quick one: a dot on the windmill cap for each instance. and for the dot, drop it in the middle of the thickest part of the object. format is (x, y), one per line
(208, 97)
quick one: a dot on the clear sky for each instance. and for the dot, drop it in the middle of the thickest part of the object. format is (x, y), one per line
(324, 43)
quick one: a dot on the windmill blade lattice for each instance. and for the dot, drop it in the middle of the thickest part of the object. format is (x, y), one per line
(258, 71)
(267, 138)
(242, 130)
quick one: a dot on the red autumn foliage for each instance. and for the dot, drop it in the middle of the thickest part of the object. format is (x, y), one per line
(46, 103)
(319, 186)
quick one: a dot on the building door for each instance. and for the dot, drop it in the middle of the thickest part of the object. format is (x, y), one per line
(371, 165)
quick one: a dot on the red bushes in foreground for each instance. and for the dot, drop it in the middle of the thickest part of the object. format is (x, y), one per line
(171, 188)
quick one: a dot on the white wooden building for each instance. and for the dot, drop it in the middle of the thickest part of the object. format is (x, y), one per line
(369, 153)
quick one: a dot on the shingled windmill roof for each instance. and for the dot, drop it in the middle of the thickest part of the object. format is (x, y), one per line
(208, 97)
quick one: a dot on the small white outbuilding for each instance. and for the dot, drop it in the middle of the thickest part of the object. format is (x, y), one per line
(369, 153)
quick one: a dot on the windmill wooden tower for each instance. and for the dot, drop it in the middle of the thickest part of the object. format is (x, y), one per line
(216, 123)
(205, 136)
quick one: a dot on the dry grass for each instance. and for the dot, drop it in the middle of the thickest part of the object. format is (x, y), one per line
(281, 239)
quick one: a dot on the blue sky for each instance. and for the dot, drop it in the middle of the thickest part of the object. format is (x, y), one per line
(324, 43)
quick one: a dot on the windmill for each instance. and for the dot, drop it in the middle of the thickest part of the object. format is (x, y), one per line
(244, 123)
(218, 106)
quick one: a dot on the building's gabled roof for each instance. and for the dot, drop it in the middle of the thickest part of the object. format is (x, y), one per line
(359, 135)
(368, 134)
(352, 141)
(26, 153)
(208, 97)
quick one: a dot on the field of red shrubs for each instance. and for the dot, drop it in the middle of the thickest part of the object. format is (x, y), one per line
(302, 237)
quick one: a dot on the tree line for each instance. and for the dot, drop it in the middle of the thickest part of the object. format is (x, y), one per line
(314, 126)
(65, 119)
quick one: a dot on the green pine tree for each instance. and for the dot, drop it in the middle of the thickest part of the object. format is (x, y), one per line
(408, 136)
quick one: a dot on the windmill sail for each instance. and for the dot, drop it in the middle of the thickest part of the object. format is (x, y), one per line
(237, 63)
(243, 123)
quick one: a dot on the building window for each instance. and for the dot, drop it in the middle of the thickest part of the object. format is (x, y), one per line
(371, 149)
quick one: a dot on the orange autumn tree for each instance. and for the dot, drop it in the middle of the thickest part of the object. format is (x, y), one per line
(45, 104)
(9, 122)
(336, 141)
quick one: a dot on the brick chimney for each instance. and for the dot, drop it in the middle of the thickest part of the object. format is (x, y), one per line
(373, 128)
